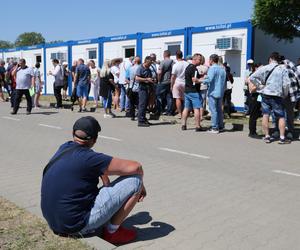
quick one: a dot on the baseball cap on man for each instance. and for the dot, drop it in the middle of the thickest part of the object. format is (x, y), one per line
(89, 125)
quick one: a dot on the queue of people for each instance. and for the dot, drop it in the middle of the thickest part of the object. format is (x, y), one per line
(177, 88)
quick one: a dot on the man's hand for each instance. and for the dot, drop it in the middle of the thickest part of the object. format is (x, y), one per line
(150, 80)
(195, 80)
(143, 194)
(105, 180)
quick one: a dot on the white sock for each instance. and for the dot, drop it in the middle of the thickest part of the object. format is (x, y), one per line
(282, 137)
(112, 228)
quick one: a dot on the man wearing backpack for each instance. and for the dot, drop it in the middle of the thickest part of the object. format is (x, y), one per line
(71, 201)
(58, 82)
(272, 82)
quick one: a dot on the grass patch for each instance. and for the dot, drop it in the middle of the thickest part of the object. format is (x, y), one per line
(21, 230)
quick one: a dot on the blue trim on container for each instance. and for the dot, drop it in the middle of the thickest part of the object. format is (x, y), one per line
(119, 38)
(139, 45)
(53, 45)
(250, 43)
(163, 33)
(239, 109)
(219, 27)
(85, 41)
(101, 52)
(69, 67)
(45, 72)
(187, 42)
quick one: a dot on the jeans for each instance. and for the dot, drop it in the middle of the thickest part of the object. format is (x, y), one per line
(18, 98)
(134, 101)
(124, 101)
(57, 94)
(110, 199)
(215, 107)
(107, 101)
(143, 102)
(255, 112)
(164, 97)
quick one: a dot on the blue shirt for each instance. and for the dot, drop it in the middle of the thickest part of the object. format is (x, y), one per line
(83, 73)
(216, 80)
(69, 187)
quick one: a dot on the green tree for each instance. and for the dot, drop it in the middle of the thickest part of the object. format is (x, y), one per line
(5, 44)
(280, 18)
(29, 38)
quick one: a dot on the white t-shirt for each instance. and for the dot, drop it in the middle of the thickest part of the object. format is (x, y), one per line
(23, 79)
(115, 70)
(179, 71)
(94, 75)
(202, 69)
(124, 67)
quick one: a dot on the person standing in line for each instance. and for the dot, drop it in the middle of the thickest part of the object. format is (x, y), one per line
(24, 81)
(202, 69)
(272, 82)
(163, 89)
(115, 70)
(74, 97)
(152, 92)
(228, 91)
(107, 86)
(192, 96)
(38, 85)
(95, 82)
(215, 79)
(2, 80)
(58, 82)
(66, 74)
(178, 81)
(123, 82)
(134, 87)
(144, 79)
(83, 76)
(12, 83)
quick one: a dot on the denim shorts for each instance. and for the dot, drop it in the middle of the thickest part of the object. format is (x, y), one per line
(110, 199)
(272, 103)
(82, 91)
(193, 101)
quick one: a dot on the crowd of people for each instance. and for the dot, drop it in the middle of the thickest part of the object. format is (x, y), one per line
(180, 88)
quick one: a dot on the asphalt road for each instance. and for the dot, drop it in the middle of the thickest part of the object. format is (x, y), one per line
(205, 191)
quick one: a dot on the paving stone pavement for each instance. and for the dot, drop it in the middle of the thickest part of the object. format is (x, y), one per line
(232, 199)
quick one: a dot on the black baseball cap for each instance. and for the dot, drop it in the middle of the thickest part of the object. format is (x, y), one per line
(89, 125)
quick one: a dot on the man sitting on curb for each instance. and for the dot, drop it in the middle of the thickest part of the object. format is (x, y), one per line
(71, 202)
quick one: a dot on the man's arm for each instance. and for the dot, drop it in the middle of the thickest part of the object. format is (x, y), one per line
(124, 167)
(145, 80)
(173, 78)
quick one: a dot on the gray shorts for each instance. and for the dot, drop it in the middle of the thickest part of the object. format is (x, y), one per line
(110, 199)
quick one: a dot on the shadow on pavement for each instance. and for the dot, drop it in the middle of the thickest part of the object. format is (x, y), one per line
(157, 229)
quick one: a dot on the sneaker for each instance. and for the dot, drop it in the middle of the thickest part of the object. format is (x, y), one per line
(107, 116)
(13, 113)
(80, 110)
(28, 113)
(267, 139)
(121, 236)
(200, 129)
(84, 110)
(213, 131)
(254, 136)
(183, 127)
(143, 124)
(284, 141)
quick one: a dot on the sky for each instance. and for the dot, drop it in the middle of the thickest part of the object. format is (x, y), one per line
(81, 19)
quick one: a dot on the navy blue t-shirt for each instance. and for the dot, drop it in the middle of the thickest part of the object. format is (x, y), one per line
(69, 187)
(83, 72)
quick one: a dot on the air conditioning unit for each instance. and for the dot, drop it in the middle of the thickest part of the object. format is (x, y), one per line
(229, 43)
